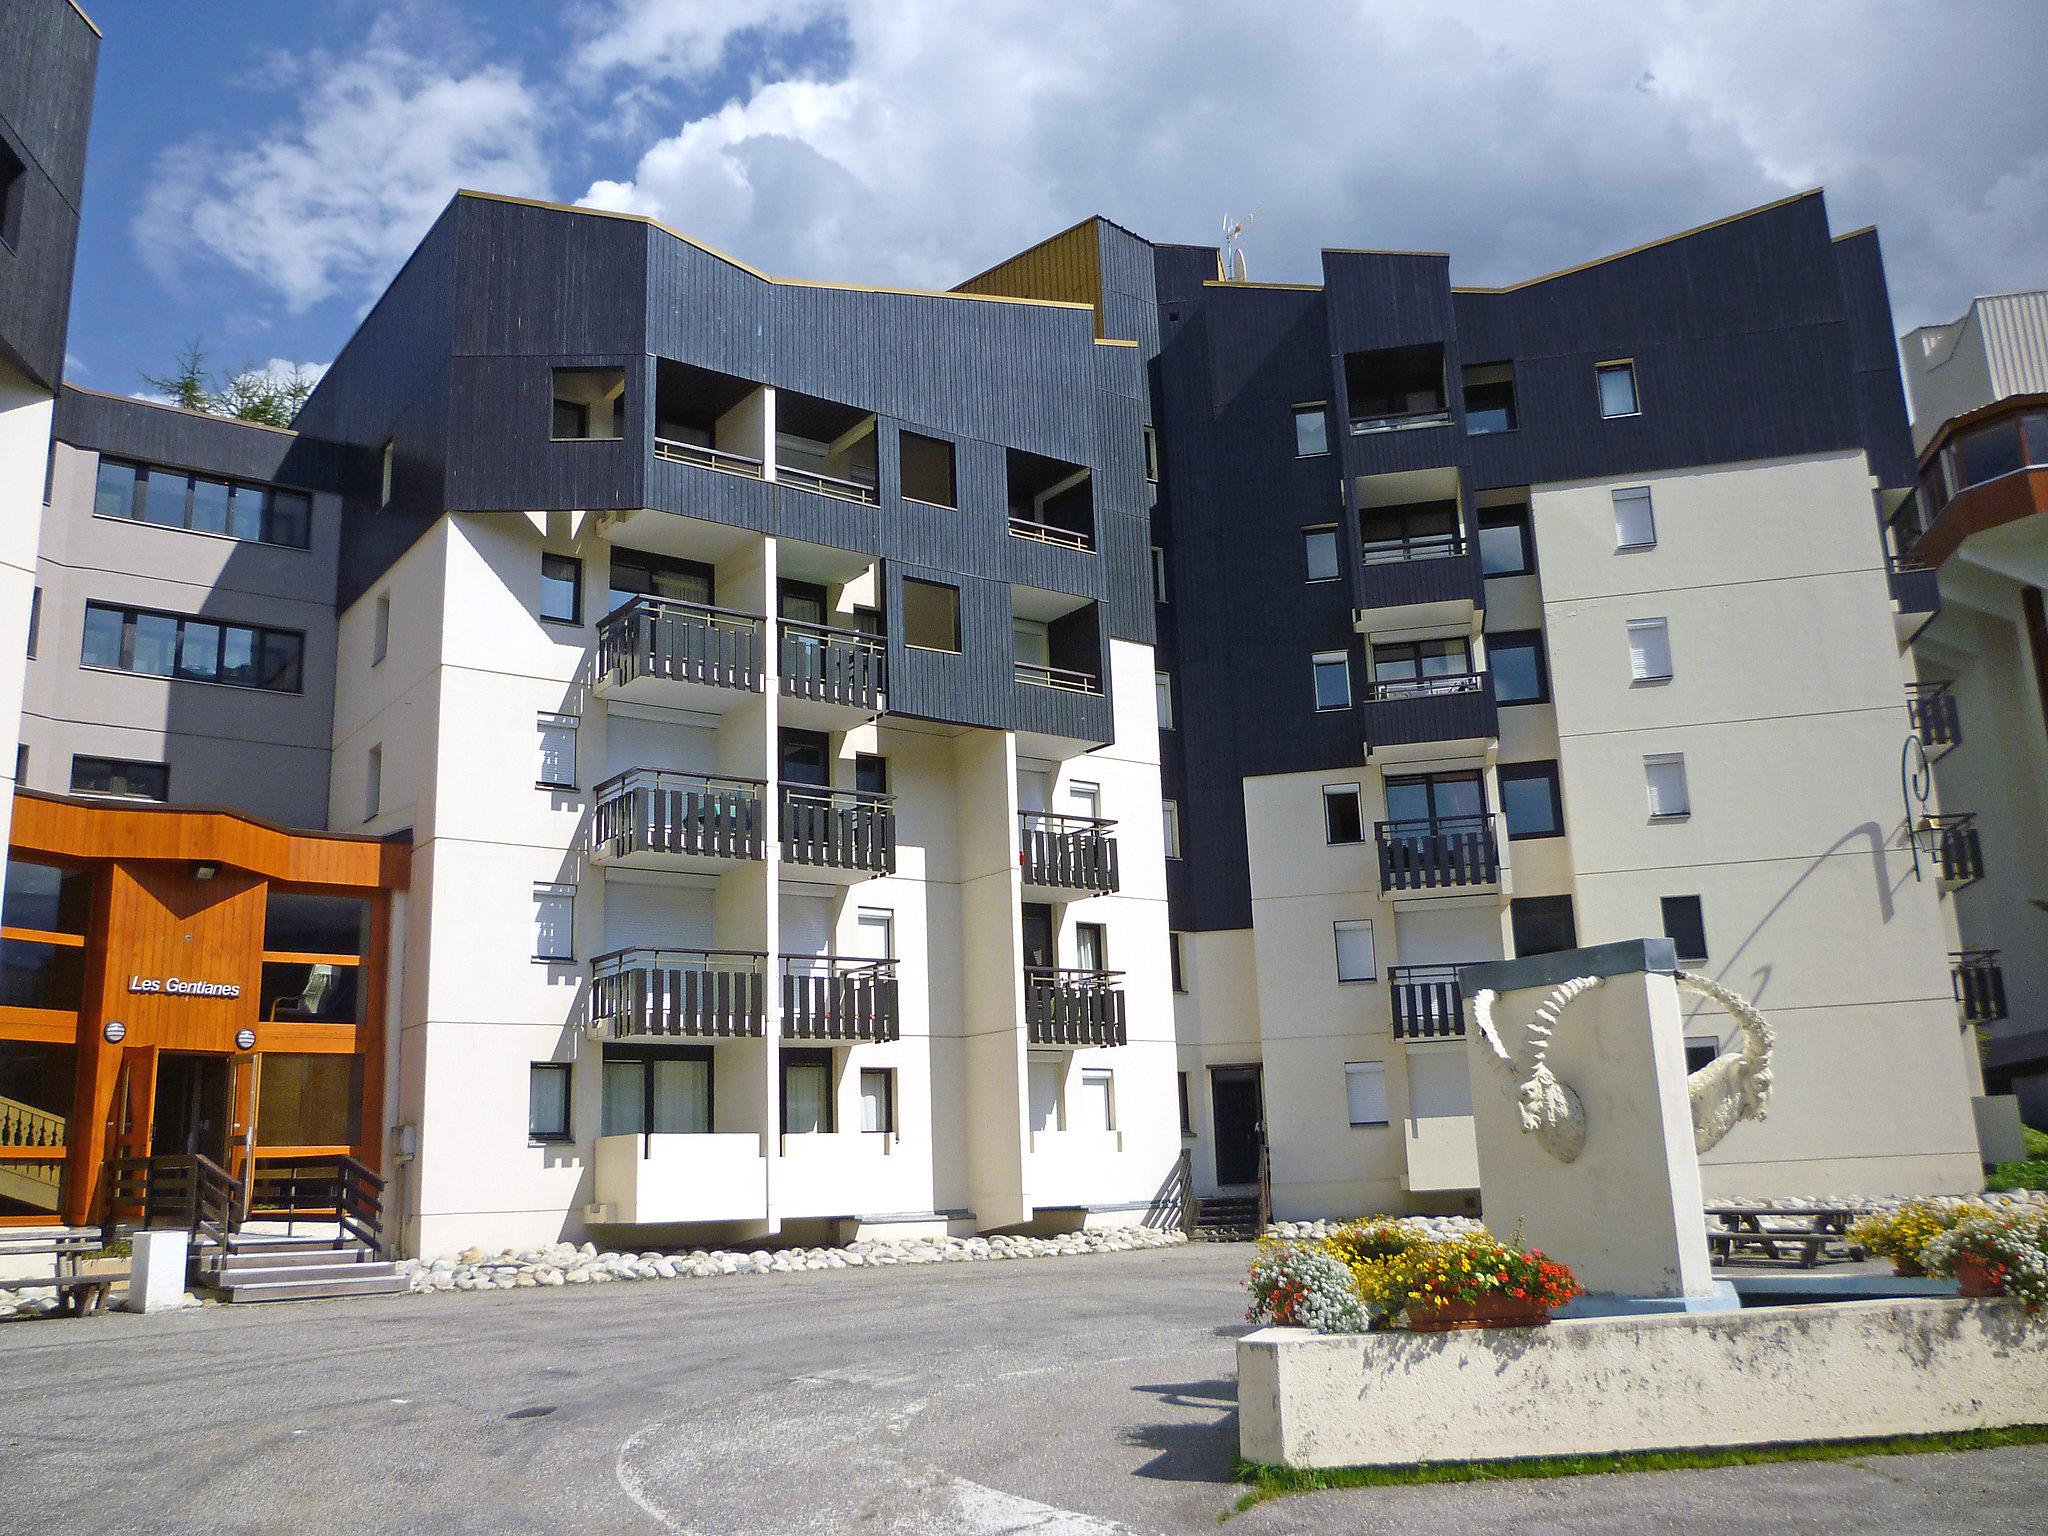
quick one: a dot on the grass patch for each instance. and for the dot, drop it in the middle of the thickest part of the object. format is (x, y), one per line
(1265, 1481)
(2037, 1143)
(2032, 1174)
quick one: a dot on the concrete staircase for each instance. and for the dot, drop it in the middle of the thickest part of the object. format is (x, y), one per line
(1226, 1219)
(262, 1268)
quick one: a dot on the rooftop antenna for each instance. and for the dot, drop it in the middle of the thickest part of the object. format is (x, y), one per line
(1230, 260)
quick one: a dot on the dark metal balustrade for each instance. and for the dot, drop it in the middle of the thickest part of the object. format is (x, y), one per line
(683, 642)
(1428, 1002)
(839, 829)
(1980, 986)
(653, 991)
(1078, 1008)
(1956, 849)
(1072, 853)
(1931, 707)
(836, 666)
(836, 997)
(656, 810)
(1439, 853)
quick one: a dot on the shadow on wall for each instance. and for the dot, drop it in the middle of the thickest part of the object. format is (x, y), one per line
(1759, 980)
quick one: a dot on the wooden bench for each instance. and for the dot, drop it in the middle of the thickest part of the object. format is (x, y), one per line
(1809, 1233)
(78, 1295)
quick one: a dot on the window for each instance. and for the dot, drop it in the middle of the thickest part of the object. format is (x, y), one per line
(1489, 398)
(170, 498)
(634, 574)
(380, 629)
(35, 620)
(870, 773)
(547, 1101)
(1173, 967)
(42, 964)
(1685, 924)
(1365, 1092)
(304, 1098)
(127, 781)
(1635, 522)
(1665, 776)
(875, 931)
(1429, 797)
(1343, 819)
(877, 1100)
(313, 952)
(1170, 815)
(1158, 574)
(1162, 699)
(554, 922)
(195, 650)
(1087, 798)
(1411, 668)
(1320, 551)
(1031, 642)
(1187, 1123)
(931, 615)
(1091, 947)
(1505, 547)
(1699, 1052)
(373, 782)
(1516, 660)
(1151, 455)
(1394, 387)
(1649, 650)
(1617, 383)
(557, 752)
(307, 923)
(1332, 671)
(1311, 430)
(589, 404)
(1354, 951)
(926, 466)
(1425, 530)
(386, 463)
(657, 1090)
(1043, 1082)
(561, 589)
(1097, 1109)
(807, 1093)
(13, 194)
(1530, 799)
(1542, 925)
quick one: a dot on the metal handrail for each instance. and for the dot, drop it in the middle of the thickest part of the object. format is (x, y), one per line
(678, 452)
(1440, 685)
(1074, 976)
(1424, 546)
(656, 778)
(647, 602)
(647, 956)
(834, 632)
(1393, 421)
(828, 485)
(1050, 533)
(837, 965)
(825, 794)
(1426, 826)
(1057, 821)
(1066, 679)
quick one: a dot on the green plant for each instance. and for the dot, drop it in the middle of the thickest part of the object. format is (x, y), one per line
(1900, 1235)
(2011, 1248)
(1373, 1249)
(2031, 1174)
(1480, 1267)
(1296, 1285)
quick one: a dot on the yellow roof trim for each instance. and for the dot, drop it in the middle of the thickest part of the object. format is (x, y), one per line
(1224, 282)
(785, 282)
(1114, 341)
(1361, 250)
(96, 32)
(1868, 229)
(165, 405)
(1648, 245)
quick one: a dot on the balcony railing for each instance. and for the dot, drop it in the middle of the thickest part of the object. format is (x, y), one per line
(839, 829)
(1421, 546)
(1931, 707)
(650, 991)
(1410, 711)
(1401, 420)
(1077, 1008)
(836, 666)
(683, 642)
(707, 458)
(1428, 1002)
(1438, 853)
(1979, 984)
(1075, 853)
(1956, 848)
(1425, 687)
(1050, 533)
(1065, 678)
(833, 997)
(656, 810)
(828, 485)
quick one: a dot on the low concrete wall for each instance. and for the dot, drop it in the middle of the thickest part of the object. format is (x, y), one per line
(1846, 1370)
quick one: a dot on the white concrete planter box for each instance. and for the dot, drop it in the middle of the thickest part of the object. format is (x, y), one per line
(1074, 1167)
(682, 1178)
(1845, 1370)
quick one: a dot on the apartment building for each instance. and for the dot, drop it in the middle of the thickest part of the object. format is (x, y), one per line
(1979, 392)
(1499, 621)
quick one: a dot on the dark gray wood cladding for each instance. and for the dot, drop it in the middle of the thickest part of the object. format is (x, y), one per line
(48, 56)
(125, 428)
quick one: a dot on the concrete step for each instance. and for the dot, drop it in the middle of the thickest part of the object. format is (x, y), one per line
(306, 1283)
(237, 1260)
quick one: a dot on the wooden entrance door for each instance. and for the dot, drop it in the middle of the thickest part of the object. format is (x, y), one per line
(1238, 1115)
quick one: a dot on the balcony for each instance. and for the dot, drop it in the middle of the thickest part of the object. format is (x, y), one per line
(1449, 853)
(1022, 527)
(1979, 985)
(656, 650)
(836, 997)
(1073, 1008)
(831, 678)
(827, 485)
(1065, 679)
(654, 818)
(1957, 851)
(1428, 1002)
(1068, 857)
(1931, 709)
(703, 457)
(706, 993)
(677, 1178)
(1455, 711)
(1416, 581)
(843, 834)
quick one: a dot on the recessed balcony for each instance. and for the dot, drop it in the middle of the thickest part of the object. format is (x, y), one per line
(1067, 858)
(1979, 986)
(832, 678)
(656, 818)
(1428, 1002)
(657, 650)
(1451, 711)
(837, 997)
(1073, 1007)
(697, 993)
(676, 451)
(1448, 854)
(842, 835)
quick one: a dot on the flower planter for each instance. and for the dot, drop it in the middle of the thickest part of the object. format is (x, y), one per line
(1493, 1312)
(1973, 1278)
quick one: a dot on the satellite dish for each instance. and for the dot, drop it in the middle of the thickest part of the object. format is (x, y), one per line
(1230, 263)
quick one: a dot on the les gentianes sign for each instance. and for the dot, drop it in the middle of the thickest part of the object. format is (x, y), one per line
(179, 986)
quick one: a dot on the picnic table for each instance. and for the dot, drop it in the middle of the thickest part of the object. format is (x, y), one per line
(1810, 1233)
(79, 1294)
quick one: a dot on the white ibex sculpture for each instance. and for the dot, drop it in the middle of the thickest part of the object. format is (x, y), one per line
(1732, 1087)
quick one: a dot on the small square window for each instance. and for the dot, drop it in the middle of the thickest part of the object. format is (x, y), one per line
(1505, 547)
(931, 615)
(1322, 553)
(1332, 680)
(1354, 951)
(1162, 699)
(926, 465)
(1542, 925)
(380, 628)
(1365, 1092)
(877, 1100)
(871, 773)
(373, 782)
(1635, 520)
(561, 589)
(547, 1101)
(1685, 924)
(1617, 383)
(589, 404)
(1343, 818)
(554, 922)
(557, 752)
(1700, 1051)
(1649, 651)
(1311, 430)
(1665, 777)
(1515, 658)
(1489, 398)
(1170, 823)
(1530, 799)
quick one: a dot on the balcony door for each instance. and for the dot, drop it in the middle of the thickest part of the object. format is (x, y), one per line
(637, 574)
(1237, 1116)
(1038, 937)
(806, 758)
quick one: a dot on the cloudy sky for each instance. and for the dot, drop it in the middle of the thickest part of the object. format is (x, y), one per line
(258, 170)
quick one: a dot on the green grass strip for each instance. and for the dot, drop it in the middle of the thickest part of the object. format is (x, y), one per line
(1266, 1481)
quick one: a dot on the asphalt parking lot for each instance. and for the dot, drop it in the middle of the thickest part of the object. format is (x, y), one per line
(1066, 1397)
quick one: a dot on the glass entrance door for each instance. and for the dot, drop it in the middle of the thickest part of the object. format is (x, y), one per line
(191, 1110)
